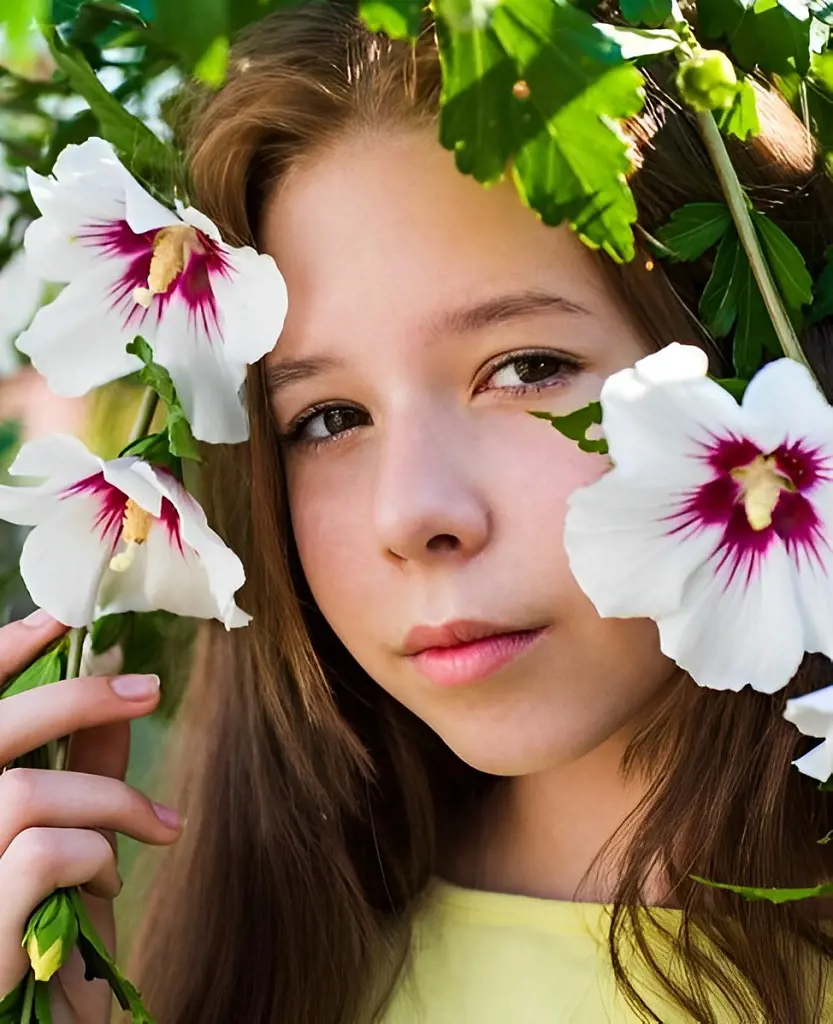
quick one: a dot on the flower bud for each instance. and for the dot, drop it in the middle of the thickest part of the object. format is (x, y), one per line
(51, 935)
(708, 81)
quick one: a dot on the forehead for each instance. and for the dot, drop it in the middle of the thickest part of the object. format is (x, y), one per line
(383, 228)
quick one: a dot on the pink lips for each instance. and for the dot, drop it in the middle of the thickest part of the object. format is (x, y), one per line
(465, 652)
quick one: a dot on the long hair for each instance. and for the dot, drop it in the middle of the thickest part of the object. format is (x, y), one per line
(314, 800)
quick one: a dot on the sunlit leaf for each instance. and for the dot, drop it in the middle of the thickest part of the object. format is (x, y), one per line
(694, 229)
(787, 264)
(773, 37)
(637, 43)
(752, 893)
(575, 425)
(16, 18)
(399, 19)
(741, 118)
(211, 68)
(581, 85)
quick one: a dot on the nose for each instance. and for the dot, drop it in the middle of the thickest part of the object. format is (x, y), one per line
(428, 505)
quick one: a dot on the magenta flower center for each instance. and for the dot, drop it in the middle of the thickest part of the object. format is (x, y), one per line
(120, 518)
(757, 499)
(175, 264)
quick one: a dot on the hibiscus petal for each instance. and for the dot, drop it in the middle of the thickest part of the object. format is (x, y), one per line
(198, 220)
(208, 386)
(137, 480)
(783, 401)
(659, 430)
(252, 300)
(86, 185)
(59, 456)
(78, 342)
(818, 764)
(224, 569)
(143, 212)
(621, 550)
(62, 562)
(728, 632)
(812, 714)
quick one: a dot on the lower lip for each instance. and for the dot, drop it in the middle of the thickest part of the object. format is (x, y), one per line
(469, 663)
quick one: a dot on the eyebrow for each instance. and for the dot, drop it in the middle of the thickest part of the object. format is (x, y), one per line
(489, 313)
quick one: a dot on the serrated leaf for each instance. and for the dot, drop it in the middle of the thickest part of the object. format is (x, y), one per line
(181, 441)
(719, 301)
(741, 118)
(582, 88)
(576, 424)
(646, 12)
(787, 265)
(754, 331)
(100, 964)
(399, 19)
(147, 156)
(694, 229)
(753, 893)
(50, 667)
(481, 120)
(773, 38)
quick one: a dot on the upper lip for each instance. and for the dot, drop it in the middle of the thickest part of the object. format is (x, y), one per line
(452, 634)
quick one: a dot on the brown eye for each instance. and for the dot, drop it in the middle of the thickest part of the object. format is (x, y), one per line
(529, 370)
(327, 424)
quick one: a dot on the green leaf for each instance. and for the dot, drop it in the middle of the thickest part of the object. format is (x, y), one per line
(48, 668)
(787, 265)
(695, 228)
(581, 86)
(636, 43)
(772, 895)
(646, 12)
(100, 964)
(823, 305)
(12, 1001)
(16, 17)
(721, 17)
(576, 424)
(773, 38)
(719, 301)
(736, 386)
(144, 154)
(481, 120)
(107, 631)
(10, 432)
(211, 68)
(190, 27)
(399, 19)
(741, 118)
(754, 330)
(181, 440)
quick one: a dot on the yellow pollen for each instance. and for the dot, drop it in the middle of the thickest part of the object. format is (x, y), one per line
(761, 485)
(172, 248)
(136, 526)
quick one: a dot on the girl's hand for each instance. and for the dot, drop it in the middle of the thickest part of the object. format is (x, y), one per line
(56, 827)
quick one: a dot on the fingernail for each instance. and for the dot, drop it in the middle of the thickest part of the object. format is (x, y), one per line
(167, 815)
(37, 619)
(135, 687)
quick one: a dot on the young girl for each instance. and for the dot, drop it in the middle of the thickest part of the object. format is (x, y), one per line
(429, 783)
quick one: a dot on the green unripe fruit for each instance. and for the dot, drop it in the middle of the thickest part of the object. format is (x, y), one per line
(708, 81)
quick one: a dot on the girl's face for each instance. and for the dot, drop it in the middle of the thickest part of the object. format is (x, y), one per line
(427, 317)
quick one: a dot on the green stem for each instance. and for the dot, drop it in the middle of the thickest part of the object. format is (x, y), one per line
(144, 418)
(76, 647)
(737, 203)
(28, 999)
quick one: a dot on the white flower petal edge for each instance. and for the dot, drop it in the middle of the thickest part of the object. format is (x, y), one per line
(116, 536)
(813, 716)
(133, 267)
(716, 520)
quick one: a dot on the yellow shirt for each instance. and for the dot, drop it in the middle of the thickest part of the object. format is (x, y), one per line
(490, 958)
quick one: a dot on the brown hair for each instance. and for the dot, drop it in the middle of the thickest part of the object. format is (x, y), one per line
(313, 799)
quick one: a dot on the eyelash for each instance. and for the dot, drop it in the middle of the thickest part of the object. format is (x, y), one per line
(568, 366)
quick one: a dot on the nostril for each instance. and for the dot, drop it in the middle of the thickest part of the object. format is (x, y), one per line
(443, 542)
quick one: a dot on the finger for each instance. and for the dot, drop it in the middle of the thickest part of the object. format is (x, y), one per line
(37, 862)
(32, 719)
(31, 797)
(101, 750)
(21, 642)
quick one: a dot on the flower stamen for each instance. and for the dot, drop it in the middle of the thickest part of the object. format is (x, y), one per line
(761, 484)
(172, 248)
(135, 529)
